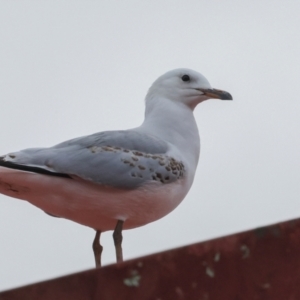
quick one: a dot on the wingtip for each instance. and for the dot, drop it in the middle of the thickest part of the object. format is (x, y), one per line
(33, 169)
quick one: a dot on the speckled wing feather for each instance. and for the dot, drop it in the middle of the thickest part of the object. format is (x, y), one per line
(122, 159)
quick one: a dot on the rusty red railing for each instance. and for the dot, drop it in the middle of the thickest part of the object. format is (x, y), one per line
(259, 264)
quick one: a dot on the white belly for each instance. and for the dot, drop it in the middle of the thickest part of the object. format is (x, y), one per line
(93, 205)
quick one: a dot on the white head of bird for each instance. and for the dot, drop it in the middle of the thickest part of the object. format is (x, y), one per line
(184, 86)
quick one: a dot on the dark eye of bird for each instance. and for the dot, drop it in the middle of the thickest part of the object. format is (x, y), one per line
(185, 78)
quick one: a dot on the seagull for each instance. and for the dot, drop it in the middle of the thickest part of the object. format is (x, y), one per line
(117, 180)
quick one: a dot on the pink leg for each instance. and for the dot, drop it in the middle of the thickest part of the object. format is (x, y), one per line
(97, 248)
(117, 235)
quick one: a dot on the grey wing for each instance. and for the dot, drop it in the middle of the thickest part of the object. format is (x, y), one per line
(123, 159)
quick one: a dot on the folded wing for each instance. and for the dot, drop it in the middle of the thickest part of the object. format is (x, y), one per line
(122, 159)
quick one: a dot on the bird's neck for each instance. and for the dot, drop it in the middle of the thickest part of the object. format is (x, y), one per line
(175, 123)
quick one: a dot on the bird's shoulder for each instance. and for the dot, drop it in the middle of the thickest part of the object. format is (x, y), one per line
(126, 139)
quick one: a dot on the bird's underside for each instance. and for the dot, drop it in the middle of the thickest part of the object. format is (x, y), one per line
(91, 204)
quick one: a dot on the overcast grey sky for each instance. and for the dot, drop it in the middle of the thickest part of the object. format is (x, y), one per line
(71, 68)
